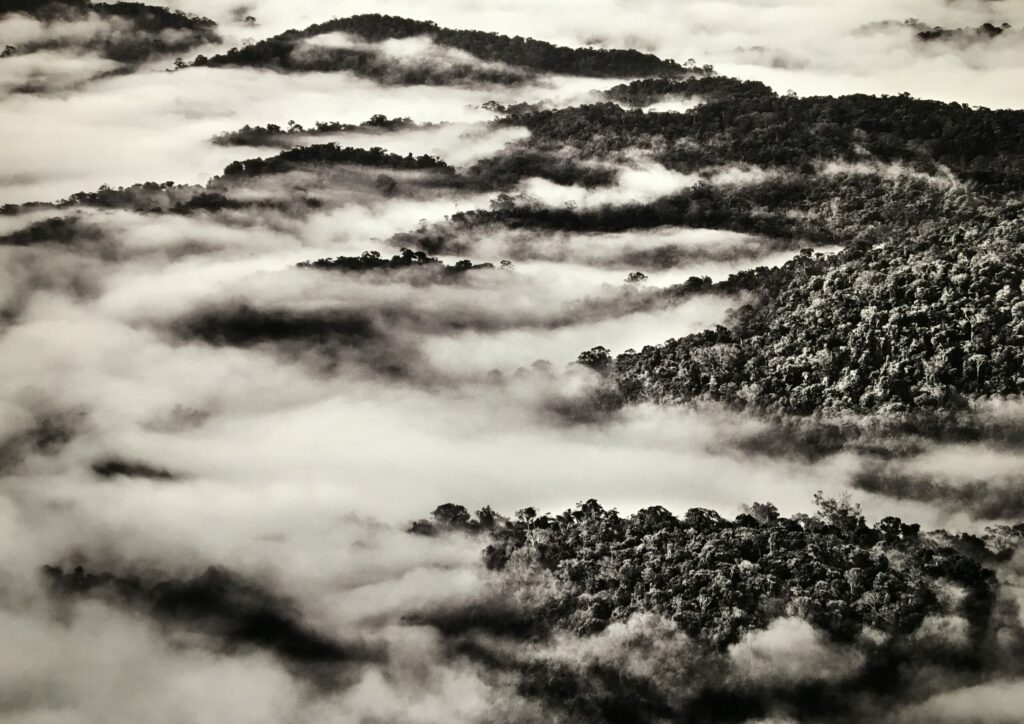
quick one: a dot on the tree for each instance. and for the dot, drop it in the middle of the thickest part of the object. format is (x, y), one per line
(503, 202)
(636, 277)
(598, 359)
(839, 512)
(717, 579)
(451, 515)
(763, 512)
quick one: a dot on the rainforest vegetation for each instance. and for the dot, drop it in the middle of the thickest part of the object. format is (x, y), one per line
(521, 56)
(874, 594)
(140, 32)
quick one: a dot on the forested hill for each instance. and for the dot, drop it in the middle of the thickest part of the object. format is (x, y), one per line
(922, 311)
(331, 154)
(151, 17)
(274, 135)
(821, 567)
(279, 52)
(142, 31)
(874, 597)
(926, 322)
(525, 52)
(748, 123)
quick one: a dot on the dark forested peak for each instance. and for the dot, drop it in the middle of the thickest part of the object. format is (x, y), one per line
(149, 34)
(275, 135)
(52, 10)
(874, 596)
(929, 321)
(290, 52)
(985, 31)
(525, 54)
(405, 259)
(494, 47)
(513, 164)
(925, 33)
(645, 91)
(65, 10)
(53, 230)
(718, 579)
(119, 467)
(331, 154)
(451, 517)
(746, 123)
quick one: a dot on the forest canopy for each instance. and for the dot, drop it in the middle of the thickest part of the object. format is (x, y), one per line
(877, 598)
(139, 32)
(521, 55)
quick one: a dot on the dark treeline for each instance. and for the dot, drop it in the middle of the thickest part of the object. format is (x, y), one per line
(927, 321)
(717, 579)
(513, 164)
(405, 259)
(925, 33)
(591, 616)
(646, 91)
(873, 593)
(323, 338)
(331, 154)
(150, 197)
(113, 467)
(922, 310)
(216, 195)
(704, 206)
(289, 52)
(789, 210)
(501, 171)
(149, 36)
(985, 31)
(54, 230)
(526, 52)
(741, 123)
(274, 135)
(279, 52)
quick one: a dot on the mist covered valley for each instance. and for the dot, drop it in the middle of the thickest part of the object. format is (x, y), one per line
(311, 328)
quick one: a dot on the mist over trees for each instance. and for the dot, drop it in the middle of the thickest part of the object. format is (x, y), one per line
(329, 154)
(747, 123)
(274, 135)
(405, 259)
(753, 298)
(920, 323)
(867, 604)
(925, 33)
(142, 32)
(279, 52)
